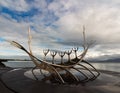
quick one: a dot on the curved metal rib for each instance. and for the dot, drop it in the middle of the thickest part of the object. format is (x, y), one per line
(33, 72)
(98, 73)
(42, 72)
(86, 77)
(71, 74)
(88, 70)
(59, 76)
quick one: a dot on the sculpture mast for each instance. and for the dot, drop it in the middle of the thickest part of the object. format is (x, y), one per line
(29, 40)
(84, 38)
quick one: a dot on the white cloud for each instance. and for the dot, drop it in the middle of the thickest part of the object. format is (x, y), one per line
(11, 29)
(100, 17)
(100, 22)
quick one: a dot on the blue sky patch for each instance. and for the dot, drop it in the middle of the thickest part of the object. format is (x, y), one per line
(49, 18)
(29, 1)
(2, 40)
(19, 16)
(49, 1)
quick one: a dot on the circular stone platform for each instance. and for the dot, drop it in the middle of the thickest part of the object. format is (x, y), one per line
(21, 80)
(37, 74)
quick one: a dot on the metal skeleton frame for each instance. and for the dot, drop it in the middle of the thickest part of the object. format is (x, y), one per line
(55, 69)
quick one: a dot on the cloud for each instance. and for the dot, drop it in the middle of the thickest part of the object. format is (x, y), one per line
(11, 29)
(103, 52)
(58, 23)
(100, 22)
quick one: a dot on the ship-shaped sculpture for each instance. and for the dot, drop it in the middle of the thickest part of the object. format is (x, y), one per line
(62, 73)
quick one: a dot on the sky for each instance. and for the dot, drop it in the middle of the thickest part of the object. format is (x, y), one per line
(58, 24)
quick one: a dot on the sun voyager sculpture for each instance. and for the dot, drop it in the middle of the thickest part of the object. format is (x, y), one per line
(65, 71)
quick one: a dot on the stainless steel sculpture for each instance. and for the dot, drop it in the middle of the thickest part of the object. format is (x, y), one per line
(62, 72)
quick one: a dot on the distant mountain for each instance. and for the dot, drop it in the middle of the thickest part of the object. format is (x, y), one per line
(112, 60)
(109, 60)
(14, 57)
(106, 58)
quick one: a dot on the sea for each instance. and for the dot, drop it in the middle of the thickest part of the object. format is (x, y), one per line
(110, 66)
